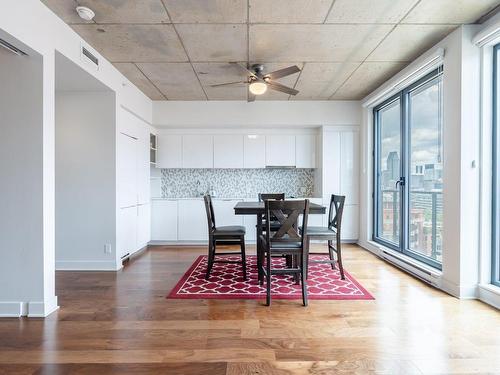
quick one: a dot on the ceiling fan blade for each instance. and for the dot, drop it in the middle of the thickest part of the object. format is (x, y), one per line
(250, 97)
(279, 87)
(245, 69)
(228, 83)
(283, 72)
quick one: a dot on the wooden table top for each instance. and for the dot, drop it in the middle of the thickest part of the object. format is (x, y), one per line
(256, 208)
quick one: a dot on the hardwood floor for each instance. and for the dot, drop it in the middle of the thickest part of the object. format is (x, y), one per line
(121, 323)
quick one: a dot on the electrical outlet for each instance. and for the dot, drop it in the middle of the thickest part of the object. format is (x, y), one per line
(107, 248)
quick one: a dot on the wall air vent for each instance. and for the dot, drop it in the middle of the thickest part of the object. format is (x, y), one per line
(90, 56)
(12, 48)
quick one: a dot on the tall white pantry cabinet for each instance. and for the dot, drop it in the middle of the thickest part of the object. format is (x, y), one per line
(132, 184)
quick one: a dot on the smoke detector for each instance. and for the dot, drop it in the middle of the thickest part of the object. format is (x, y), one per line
(85, 13)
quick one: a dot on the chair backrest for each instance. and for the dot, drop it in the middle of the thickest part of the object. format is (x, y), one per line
(335, 212)
(209, 208)
(287, 213)
(274, 196)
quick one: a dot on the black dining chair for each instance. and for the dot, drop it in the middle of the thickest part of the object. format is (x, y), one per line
(271, 196)
(225, 235)
(331, 233)
(285, 241)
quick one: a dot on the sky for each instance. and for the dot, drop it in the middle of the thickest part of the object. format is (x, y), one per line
(424, 124)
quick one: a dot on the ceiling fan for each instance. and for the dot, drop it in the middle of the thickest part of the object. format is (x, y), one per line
(258, 81)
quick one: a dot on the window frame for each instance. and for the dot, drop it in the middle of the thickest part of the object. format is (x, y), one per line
(495, 196)
(405, 149)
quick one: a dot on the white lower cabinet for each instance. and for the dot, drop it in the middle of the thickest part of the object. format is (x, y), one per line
(127, 224)
(143, 225)
(164, 220)
(350, 222)
(224, 212)
(192, 220)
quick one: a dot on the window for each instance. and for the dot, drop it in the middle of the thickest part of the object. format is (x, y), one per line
(408, 153)
(495, 264)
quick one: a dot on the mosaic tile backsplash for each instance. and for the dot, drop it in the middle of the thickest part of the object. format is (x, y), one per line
(236, 183)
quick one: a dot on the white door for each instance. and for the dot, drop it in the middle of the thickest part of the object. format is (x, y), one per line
(164, 220)
(169, 151)
(127, 224)
(143, 225)
(224, 212)
(254, 151)
(126, 170)
(192, 223)
(280, 150)
(197, 151)
(228, 151)
(305, 151)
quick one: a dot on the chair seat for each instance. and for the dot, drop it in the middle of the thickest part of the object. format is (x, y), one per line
(320, 232)
(230, 230)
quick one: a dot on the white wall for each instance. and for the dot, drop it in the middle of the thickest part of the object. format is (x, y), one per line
(22, 280)
(461, 87)
(85, 180)
(29, 23)
(210, 114)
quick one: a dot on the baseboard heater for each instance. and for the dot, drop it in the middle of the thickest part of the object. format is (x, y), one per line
(413, 269)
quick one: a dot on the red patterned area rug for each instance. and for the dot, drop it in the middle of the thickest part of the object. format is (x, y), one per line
(226, 282)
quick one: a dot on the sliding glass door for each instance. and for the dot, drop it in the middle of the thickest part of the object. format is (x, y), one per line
(408, 155)
(388, 166)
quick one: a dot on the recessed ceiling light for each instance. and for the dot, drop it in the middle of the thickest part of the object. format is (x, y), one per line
(85, 13)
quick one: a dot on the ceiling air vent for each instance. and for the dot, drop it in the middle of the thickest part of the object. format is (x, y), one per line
(12, 48)
(90, 56)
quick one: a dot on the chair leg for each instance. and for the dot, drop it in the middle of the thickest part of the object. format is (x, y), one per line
(330, 252)
(268, 280)
(211, 256)
(295, 264)
(305, 262)
(339, 257)
(304, 286)
(243, 258)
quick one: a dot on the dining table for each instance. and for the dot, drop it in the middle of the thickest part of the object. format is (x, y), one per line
(258, 209)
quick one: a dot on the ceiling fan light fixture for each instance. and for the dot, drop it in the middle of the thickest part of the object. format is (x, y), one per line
(257, 88)
(85, 13)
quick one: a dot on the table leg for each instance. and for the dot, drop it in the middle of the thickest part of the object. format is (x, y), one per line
(259, 248)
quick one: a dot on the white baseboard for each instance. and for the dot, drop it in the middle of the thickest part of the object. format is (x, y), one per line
(79, 265)
(13, 309)
(489, 294)
(459, 291)
(42, 309)
(33, 309)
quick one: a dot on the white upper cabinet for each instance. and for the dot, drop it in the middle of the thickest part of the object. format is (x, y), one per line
(254, 155)
(197, 151)
(280, 150)
(305, 151)
(228, 151)
(169, 151)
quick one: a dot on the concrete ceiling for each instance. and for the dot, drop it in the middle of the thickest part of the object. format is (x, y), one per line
(176, 49)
